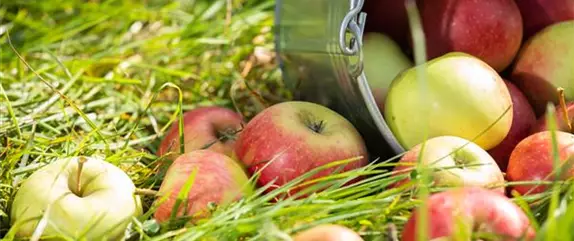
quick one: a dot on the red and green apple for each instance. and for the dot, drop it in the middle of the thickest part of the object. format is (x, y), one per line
(454, 162)
(532, 161)
(208, 127)
(289, 139)
(464, 211)
(489, 30)
(218, 179)
(544, 64)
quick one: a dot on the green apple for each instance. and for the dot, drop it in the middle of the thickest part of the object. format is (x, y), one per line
(383, 60)
(544, 63)
(455, 162)
(460, 96)
(99, 206)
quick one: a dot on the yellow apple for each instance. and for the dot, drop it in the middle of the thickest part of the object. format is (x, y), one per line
(460, 96)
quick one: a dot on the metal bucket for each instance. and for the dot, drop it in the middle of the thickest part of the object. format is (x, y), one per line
(318, 45)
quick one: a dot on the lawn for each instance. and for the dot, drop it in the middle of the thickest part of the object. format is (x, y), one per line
(108, 78)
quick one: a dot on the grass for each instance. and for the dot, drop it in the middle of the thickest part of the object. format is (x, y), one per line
(109, 77)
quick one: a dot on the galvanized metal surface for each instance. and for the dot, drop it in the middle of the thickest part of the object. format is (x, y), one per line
(318, 45)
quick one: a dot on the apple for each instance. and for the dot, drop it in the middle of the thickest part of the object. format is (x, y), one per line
(461, 96)
(218, 179)
(490, 30)
(327, 232)
(211, 127)
(564, 118)
(388, 17)
(538, 14)
(455, 162)
(544, 64)
(81, 198)
(469, 210)
(383, 61)
(289, 139)
(523, 120)
(531, 160)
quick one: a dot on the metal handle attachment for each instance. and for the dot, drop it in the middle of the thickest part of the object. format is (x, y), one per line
(352, 24)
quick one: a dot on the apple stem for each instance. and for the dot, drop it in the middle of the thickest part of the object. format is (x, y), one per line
(81, 162)
(147, 192)
(563, 107)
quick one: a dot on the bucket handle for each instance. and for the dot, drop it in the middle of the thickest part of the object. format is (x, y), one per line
(350, 23)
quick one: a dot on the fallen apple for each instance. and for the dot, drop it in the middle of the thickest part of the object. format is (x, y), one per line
(538, 14)
(460, 96)
(532, 160)
(210, 127)
(383, 61)
(523, 119)
(471, 210)
(490, 30)
(289, 139)
(80, 198)
(454, 162)
(327, 232)
(216, 179)
(544, 64)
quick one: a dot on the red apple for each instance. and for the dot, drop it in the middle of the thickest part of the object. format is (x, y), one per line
(478, 209)
(296, 137)
(203, 127)
(538, 14)
(490, 30)
(388, 17)
(455, 162)
(532, 160)
(219, 179)
(544, 64)
(522, 121)
(561, 119)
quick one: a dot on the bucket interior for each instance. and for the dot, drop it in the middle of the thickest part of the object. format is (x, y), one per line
(315, 69)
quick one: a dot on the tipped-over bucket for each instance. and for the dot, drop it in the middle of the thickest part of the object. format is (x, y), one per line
(318, 44)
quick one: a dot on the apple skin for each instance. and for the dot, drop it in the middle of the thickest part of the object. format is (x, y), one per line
(490, 30)
(479, 207)
(388, 17)
(532, 160)
(383, 61)
(202, 127)
(102, 184)
(522, 122)
(465, 97)
(538, 14)
(562, 125)
(327, 232)
(544, 63)
(219, 179)
(447, 152)
(298, 136)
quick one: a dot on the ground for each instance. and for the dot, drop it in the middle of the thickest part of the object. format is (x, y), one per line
(109, 77)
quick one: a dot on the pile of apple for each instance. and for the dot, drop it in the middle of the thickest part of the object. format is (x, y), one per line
(497, 71)
(71, 197)
(221, 153)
